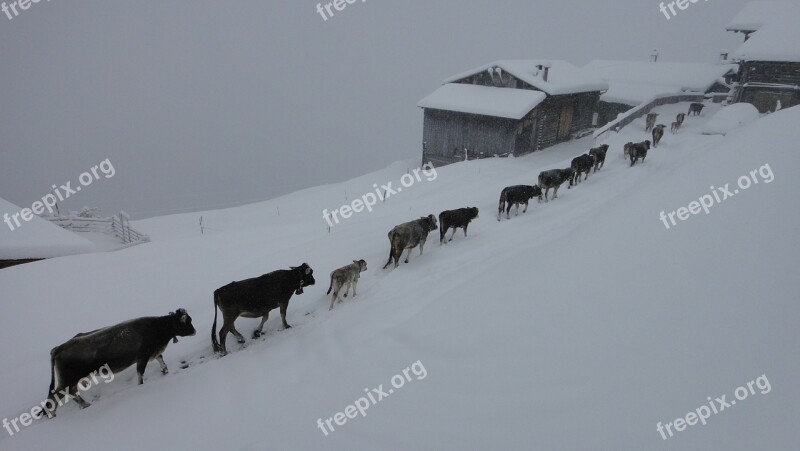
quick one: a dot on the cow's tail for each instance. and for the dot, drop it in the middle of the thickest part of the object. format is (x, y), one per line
(51, 393)
(331, 286)
(214, 341)
(441, 228)
(502, 204)
(391, 249)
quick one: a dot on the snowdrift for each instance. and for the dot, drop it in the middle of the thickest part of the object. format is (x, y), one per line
(579, 325)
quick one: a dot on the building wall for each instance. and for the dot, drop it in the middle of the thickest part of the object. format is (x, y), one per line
(446, 134)
(763, 83)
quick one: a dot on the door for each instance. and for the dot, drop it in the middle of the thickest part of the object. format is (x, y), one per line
(565, 122)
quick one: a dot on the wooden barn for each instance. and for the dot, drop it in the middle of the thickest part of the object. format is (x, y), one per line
(769, 77)
(511, 107)
(632, 83)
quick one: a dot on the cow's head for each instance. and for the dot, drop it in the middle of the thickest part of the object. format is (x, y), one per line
(431, 221)
(568, 174)
(473, 212)
(181, 324)
(362, 265)
(306, 276)
(647, 144)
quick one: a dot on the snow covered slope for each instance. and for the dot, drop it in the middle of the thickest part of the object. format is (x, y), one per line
(577, 326)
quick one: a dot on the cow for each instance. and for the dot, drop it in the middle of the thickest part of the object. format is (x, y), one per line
(515, 195)
(408, 236)
(254, 298)
(455, 219)
(651, 121)
(638, 151)
(348, 275)
(113, 349)
(627, 150)
(695, 109)
(599, 154)
(675, 127)
(554, 178)
(580, 165)
(658, 133)
(680, 118)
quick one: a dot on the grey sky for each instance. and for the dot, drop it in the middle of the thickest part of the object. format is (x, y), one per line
(201, 104)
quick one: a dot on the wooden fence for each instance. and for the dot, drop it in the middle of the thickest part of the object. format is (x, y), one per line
(117, 225)
(642, 110)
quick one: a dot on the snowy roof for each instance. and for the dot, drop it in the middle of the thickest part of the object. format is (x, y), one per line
(485, 100)
(757, 14)
(778, 40)
(633, 82)
(37, 238)
(563, 77)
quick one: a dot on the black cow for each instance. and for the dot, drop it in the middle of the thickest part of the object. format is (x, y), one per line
(254, 298)
(115, 348)
(580, 165)
(408, 236)
(639, 150)
(554, 178)
(695, 109)
(599, 154)
(658, 133)
(453, 219)
(515, 195)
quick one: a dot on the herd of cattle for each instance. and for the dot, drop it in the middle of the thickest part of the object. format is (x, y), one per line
(141, 340)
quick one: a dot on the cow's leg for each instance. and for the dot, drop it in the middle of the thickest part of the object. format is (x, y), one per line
(334, 296)
(236, 333)
(508, 211)
(516, 210)
(283, 315)
(555, 192)
(465, 230)
(421, 245)
(73, 391)
(160, 359)
(525, 210)
(141, 364)
(355, 285)
(257, 333)
(347, 290)
(408, 255)
(453, 234)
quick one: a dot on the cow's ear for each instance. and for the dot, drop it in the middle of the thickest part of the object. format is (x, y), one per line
(185, 318)
(308, 270)
(357, 261)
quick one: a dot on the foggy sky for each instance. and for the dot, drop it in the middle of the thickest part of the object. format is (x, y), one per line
(202, 104)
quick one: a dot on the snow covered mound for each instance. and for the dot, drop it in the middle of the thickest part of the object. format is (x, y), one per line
(731, 118)
(579, 325)
(37, 238)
